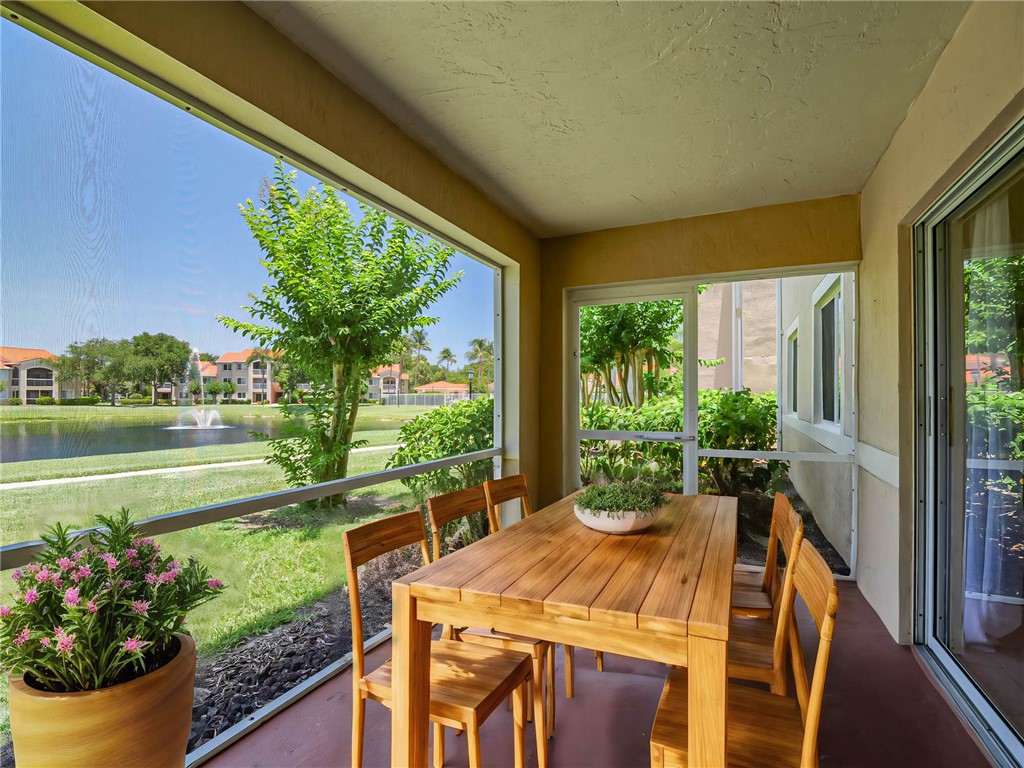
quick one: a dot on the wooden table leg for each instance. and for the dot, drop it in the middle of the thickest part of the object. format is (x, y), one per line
(708, 687)
(410, 663)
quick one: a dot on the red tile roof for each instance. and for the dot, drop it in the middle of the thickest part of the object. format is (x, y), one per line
(15, 355)
(446, 387)
(244, 355)
(389, 370)
(207, 368)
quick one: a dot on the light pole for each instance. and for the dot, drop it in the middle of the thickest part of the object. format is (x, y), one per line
(470, 385)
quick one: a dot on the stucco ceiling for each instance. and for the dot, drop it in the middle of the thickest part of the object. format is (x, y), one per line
(578, 117)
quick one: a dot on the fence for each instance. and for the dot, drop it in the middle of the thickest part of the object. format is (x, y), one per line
(430, 399)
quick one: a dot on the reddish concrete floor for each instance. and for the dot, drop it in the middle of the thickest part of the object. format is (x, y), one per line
(880, 710)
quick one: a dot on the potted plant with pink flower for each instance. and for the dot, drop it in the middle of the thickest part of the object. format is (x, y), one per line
(100, 671)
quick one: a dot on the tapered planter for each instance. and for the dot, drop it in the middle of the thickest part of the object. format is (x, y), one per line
(144, 722)
(618, 522)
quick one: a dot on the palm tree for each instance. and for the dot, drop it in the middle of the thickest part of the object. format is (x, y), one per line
(481, 351)
(419, 342)
(447, 358)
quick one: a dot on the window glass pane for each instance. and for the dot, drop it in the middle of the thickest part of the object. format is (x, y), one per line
(983, 614)
(828, 361)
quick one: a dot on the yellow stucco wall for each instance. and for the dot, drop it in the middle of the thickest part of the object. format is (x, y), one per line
(975, 93)
(224, 56)
(773, 237)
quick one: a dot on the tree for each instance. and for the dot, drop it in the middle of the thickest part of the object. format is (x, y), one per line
(213, 389)
(481, 353)
(994, 316)
(159, 357)
(341, 295)
(208, 357)
(228, 388)
(116, 369)
(420, 343)
(195, 388)
(83, 362)
(3, 386)
(447, 358)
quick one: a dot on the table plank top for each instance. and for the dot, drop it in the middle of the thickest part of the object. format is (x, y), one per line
(675, 577)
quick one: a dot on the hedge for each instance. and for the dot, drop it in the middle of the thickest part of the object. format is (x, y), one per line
(13, 401)
(45, 400)
(87, 400)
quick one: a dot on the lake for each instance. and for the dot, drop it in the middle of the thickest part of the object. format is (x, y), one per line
(27, 441)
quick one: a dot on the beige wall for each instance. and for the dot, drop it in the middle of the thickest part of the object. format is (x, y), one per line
(974, 94)
(779, 236)
(225, 60)
(716, 319)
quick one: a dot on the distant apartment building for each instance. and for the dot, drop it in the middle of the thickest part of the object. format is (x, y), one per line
(387, 380)
(177, 391)
(251, 373)
(30, 374)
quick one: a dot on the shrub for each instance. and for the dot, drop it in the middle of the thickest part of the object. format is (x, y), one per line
(643, 496)
(14, 401)
(45, 400)
(139, 400)
(98, 609)
(87, 400)
(737, 420)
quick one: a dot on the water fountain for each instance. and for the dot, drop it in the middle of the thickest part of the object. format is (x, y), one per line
(200, 418)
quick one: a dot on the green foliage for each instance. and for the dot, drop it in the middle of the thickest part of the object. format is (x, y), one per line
(644, 496)
(156, 358)
(45, 400)
(460, 427)
(739, 421)
(994, 315)
(342, 293)
(89, 400)
(995, 422)
(14, 401)
(736, 420)
(98, 609)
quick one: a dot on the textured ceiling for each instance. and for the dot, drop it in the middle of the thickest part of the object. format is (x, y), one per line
(577, 117)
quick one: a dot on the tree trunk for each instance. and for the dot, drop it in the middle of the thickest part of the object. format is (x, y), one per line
(153, 399)
(339, 420)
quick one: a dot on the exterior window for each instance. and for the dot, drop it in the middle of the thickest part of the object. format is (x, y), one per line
(830, 358)
(792, 369)
(239, 366)
(240, 380)
(226, 379)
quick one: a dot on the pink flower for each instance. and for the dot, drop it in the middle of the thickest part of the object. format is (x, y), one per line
(45, 642)
(109, 559)
(64, 563)
(140, 607)
(32, 567)
(5, 611)
(58, 632)
(43, 575)
(65, 643)
(174, 565)
(135, 563)
(92, 606)
(79, 554)
(71, 596)
(84, 571)
(31, 596)
(152, 578)
(168, 576)
(22, 637)
(214, 583)
(17, 574)
(55, 579)
(132, 644)
(131, 554)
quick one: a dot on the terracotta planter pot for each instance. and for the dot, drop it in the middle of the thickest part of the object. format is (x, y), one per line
(144, 722)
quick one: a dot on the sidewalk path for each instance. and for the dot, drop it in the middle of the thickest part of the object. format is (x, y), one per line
(161, 471)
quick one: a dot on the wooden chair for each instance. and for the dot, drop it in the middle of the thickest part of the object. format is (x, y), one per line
(455, 506)
(509, 489)
(467, 682)
(757, 646)
(763, 728)
(754, 586)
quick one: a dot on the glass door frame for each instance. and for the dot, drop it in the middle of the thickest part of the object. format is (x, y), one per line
(586, 297)
(936, 418)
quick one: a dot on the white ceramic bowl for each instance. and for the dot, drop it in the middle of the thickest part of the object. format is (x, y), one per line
(624, 522)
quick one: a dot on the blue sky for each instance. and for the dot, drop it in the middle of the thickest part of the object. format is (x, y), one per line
(120, 214)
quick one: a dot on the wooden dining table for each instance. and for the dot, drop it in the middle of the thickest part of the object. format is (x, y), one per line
(664, 594)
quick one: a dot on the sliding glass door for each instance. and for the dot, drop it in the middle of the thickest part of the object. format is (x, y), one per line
(973, 472)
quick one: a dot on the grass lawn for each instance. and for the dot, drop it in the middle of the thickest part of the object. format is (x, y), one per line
(272, 564)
